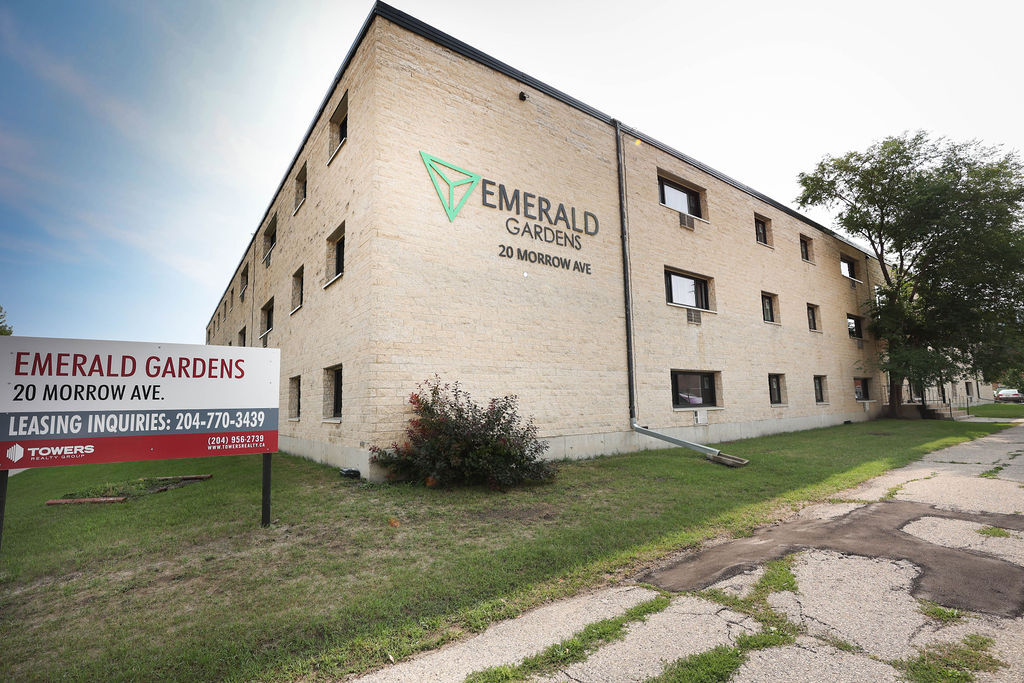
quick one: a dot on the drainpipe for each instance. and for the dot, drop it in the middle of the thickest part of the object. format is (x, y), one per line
(623, 222)
(712, 454)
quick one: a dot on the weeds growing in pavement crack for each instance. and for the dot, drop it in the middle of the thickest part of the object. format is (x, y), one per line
(950, 661)
(575, 649)
(722, 662)
(935, 611)
(992, 473)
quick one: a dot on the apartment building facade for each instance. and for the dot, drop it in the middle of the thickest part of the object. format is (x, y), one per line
(449, 215)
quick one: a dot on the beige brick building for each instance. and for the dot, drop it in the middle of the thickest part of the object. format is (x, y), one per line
(448, 214)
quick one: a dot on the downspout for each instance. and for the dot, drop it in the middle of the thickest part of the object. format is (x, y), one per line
(623, 222)
(712, 454)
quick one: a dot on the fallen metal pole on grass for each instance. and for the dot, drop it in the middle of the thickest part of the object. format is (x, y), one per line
(712, 454)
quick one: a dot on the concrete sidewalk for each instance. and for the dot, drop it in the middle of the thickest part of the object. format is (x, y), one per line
(859, 585)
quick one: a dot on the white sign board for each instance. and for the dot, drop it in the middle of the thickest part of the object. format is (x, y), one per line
(77, 401)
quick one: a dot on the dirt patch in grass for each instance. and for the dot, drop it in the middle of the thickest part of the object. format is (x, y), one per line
(134, 488)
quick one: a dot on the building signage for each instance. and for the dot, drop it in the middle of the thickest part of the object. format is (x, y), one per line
(75, 401)
(530, 216)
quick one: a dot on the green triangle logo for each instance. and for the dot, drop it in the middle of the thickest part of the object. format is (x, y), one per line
(449, 181)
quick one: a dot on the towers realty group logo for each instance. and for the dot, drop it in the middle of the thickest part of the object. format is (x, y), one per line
(15, 453)
(453, 184)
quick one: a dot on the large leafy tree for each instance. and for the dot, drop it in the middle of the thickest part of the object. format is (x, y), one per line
(944, 220)
(5, 329)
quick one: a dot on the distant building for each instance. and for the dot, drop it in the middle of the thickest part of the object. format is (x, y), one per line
(448, 214)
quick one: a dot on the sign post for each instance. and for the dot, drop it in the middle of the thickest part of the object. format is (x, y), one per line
(78, 402)
(265, 518)
(4, 474)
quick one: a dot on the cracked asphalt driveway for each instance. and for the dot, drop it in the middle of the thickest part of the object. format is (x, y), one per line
(929, 557)
(954, 577)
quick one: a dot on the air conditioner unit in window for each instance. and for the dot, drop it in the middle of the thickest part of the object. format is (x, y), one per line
(685, 220)
(700, 417)
(692, 316)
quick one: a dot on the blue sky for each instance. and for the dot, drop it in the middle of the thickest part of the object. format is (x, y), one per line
(140, 142)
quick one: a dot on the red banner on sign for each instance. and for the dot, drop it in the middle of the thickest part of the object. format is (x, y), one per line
(17, 455)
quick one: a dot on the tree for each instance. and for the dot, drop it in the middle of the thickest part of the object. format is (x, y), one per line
(5, 329)
(945, 222)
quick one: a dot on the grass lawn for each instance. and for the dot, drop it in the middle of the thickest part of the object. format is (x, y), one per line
(1009, 410)
(184, 584)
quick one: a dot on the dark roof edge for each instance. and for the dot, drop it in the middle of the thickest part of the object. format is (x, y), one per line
(411, 23)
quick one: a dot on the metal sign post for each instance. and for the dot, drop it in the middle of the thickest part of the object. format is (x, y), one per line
(3, 502)
(266, 490)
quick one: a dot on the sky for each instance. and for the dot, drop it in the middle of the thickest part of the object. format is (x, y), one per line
(141, 141)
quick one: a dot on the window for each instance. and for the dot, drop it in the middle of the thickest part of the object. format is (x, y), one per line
(769, 307)
(812, 317)
(861, 388)
(687, 290)
(332, 392)
(269, 239)
(268, 317)
(693, 389)
(762, 230)
(820, 389)
(967, 387)
(241, 337)
(297, 282)
(300, 187)
(244, 282)
(776, 389)
(295, 397)
(338, 127)
(335, 265)
(848, 267)
(854, 325)
(807, 248)
(232, 299)
(682, 199)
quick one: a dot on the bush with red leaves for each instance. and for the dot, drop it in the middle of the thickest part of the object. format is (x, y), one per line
(452, 441)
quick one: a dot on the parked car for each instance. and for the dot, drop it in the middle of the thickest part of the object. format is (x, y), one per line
(1008, 396)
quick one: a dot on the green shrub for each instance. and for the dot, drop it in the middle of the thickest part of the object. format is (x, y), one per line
(452, 440)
